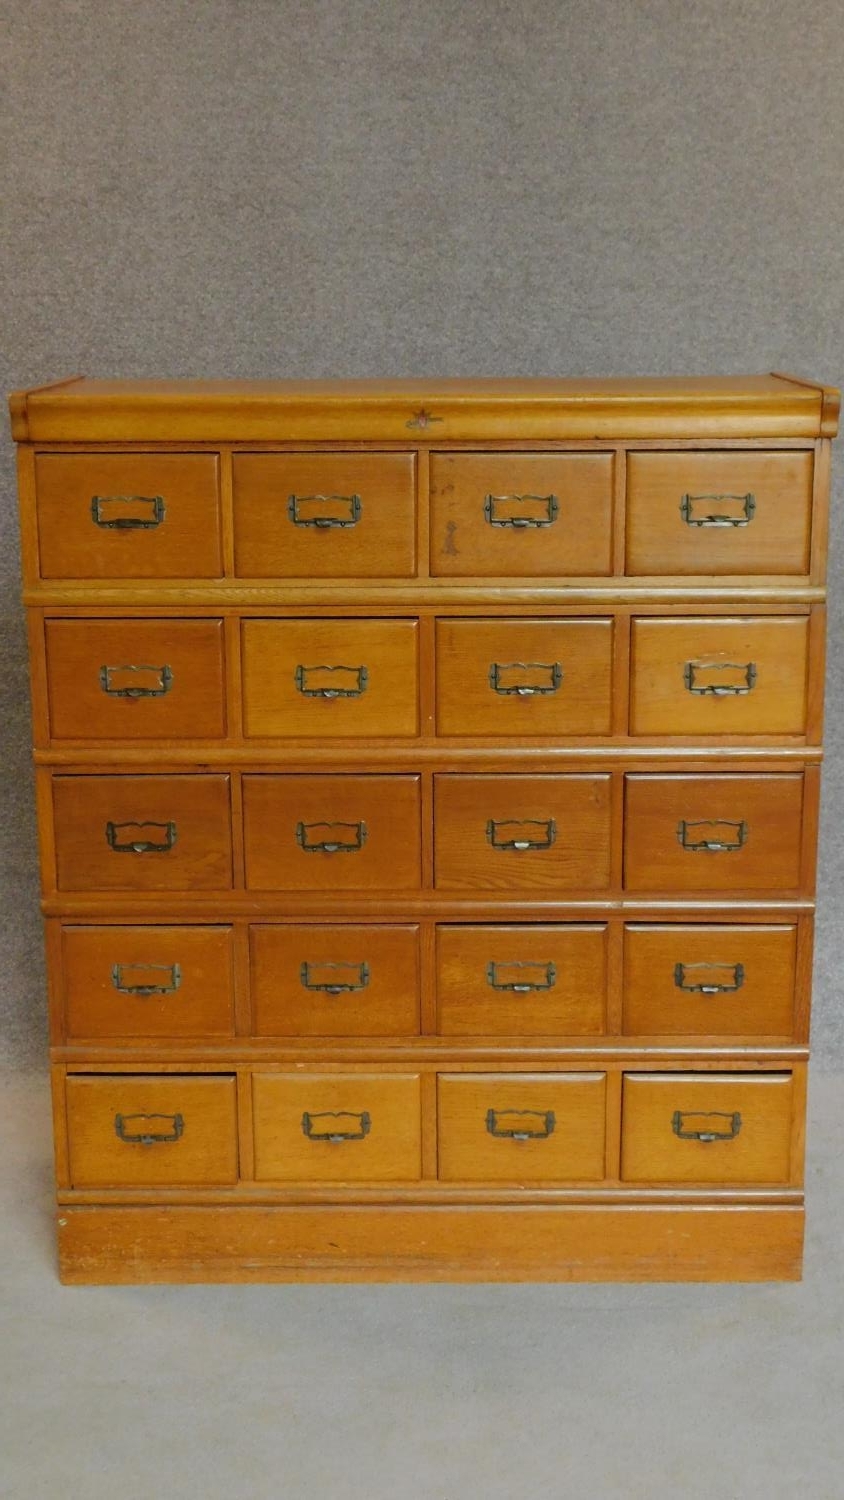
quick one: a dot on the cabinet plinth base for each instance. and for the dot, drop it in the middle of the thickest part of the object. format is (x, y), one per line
(736, 1242)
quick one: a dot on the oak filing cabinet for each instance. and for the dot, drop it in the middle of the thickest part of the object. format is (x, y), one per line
(427, 782)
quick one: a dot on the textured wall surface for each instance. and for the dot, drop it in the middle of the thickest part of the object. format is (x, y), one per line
(348, 187)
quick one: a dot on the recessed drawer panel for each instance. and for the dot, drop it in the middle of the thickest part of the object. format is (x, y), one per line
(524, 677)
(142, 833)
(329, 833)
(128, 515)
(325, 515)
(135, 679)
(330, 678)
(150, 1131)
(521, 1127)
(337, 1127)
(536, 515)
(526, 980)
(709, 980)
(708, 1127)
(342, 980)
(716, 676)
(147, 981)
(719, 512)
(505, 833)
(713, 833)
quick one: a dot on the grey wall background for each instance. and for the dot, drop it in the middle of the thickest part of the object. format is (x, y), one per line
(312, 187)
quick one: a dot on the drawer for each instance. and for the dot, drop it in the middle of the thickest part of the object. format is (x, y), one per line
(146, 1131)
(709, 980)
(517, 515)
(337, 1127)
(713, 833)
(506, 833)
(331, 833)
(128, 515)
(524, 677)
(330, 678)
(719, 512)
(521, 1127)
(325, 515)
(142, 833)
(526, 980)
(135, 679)
(716, 676)
(706, 1127)
(340, 980)
(147, 981)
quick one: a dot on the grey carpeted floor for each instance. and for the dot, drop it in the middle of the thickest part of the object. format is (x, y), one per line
(415, 1393)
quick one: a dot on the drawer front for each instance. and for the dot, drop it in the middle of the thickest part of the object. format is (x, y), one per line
(330, 678)
(709, 1127)
(709, 980)
(128, 515)
(330, 833)
(521, 1127)
(506, 833)
(325, 515)
(711, 676)
(525, 980)
(713, 833)
(337, 1127)
(524, 677)
(131, 1131)
(142, 833)
(148, 981)
(521, 514)
(341, 980)
(135, 679)
(719, 512)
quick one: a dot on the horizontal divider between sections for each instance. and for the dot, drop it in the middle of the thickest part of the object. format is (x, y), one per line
(247, 1193)
(440, 756)
(778, 595)
(282, 906)
(616, 1056)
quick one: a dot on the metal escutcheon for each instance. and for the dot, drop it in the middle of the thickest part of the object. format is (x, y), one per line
(335, 1133)
(705, 1125)
(128, 1128)
(521, 1124)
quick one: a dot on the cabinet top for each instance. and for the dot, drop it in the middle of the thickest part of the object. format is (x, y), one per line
(426, 410)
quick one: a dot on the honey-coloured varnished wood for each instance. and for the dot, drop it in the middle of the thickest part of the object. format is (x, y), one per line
(427, 789)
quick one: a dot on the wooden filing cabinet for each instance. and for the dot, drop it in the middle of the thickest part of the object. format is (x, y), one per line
(427, 780)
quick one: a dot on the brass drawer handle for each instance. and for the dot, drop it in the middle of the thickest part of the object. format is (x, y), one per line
(701, 1125)
(124, 838)
(134, 1136)
(307, 510)
(539, 510)
(517, 679)
(111, 681)
(151, 508)
(349, 682)
(517, 1124)
(521, 976)
(711, 986)
(696, 678)
(338, 838)
(357, 1132)
(732, 836)
(149, 985)
(509, 833)
(718, 517)
(325, 978)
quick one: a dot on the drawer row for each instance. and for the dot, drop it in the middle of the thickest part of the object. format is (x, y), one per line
(321, 980)
(320, 515)
(332, 834)
(520, 678)
(503, 1128)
